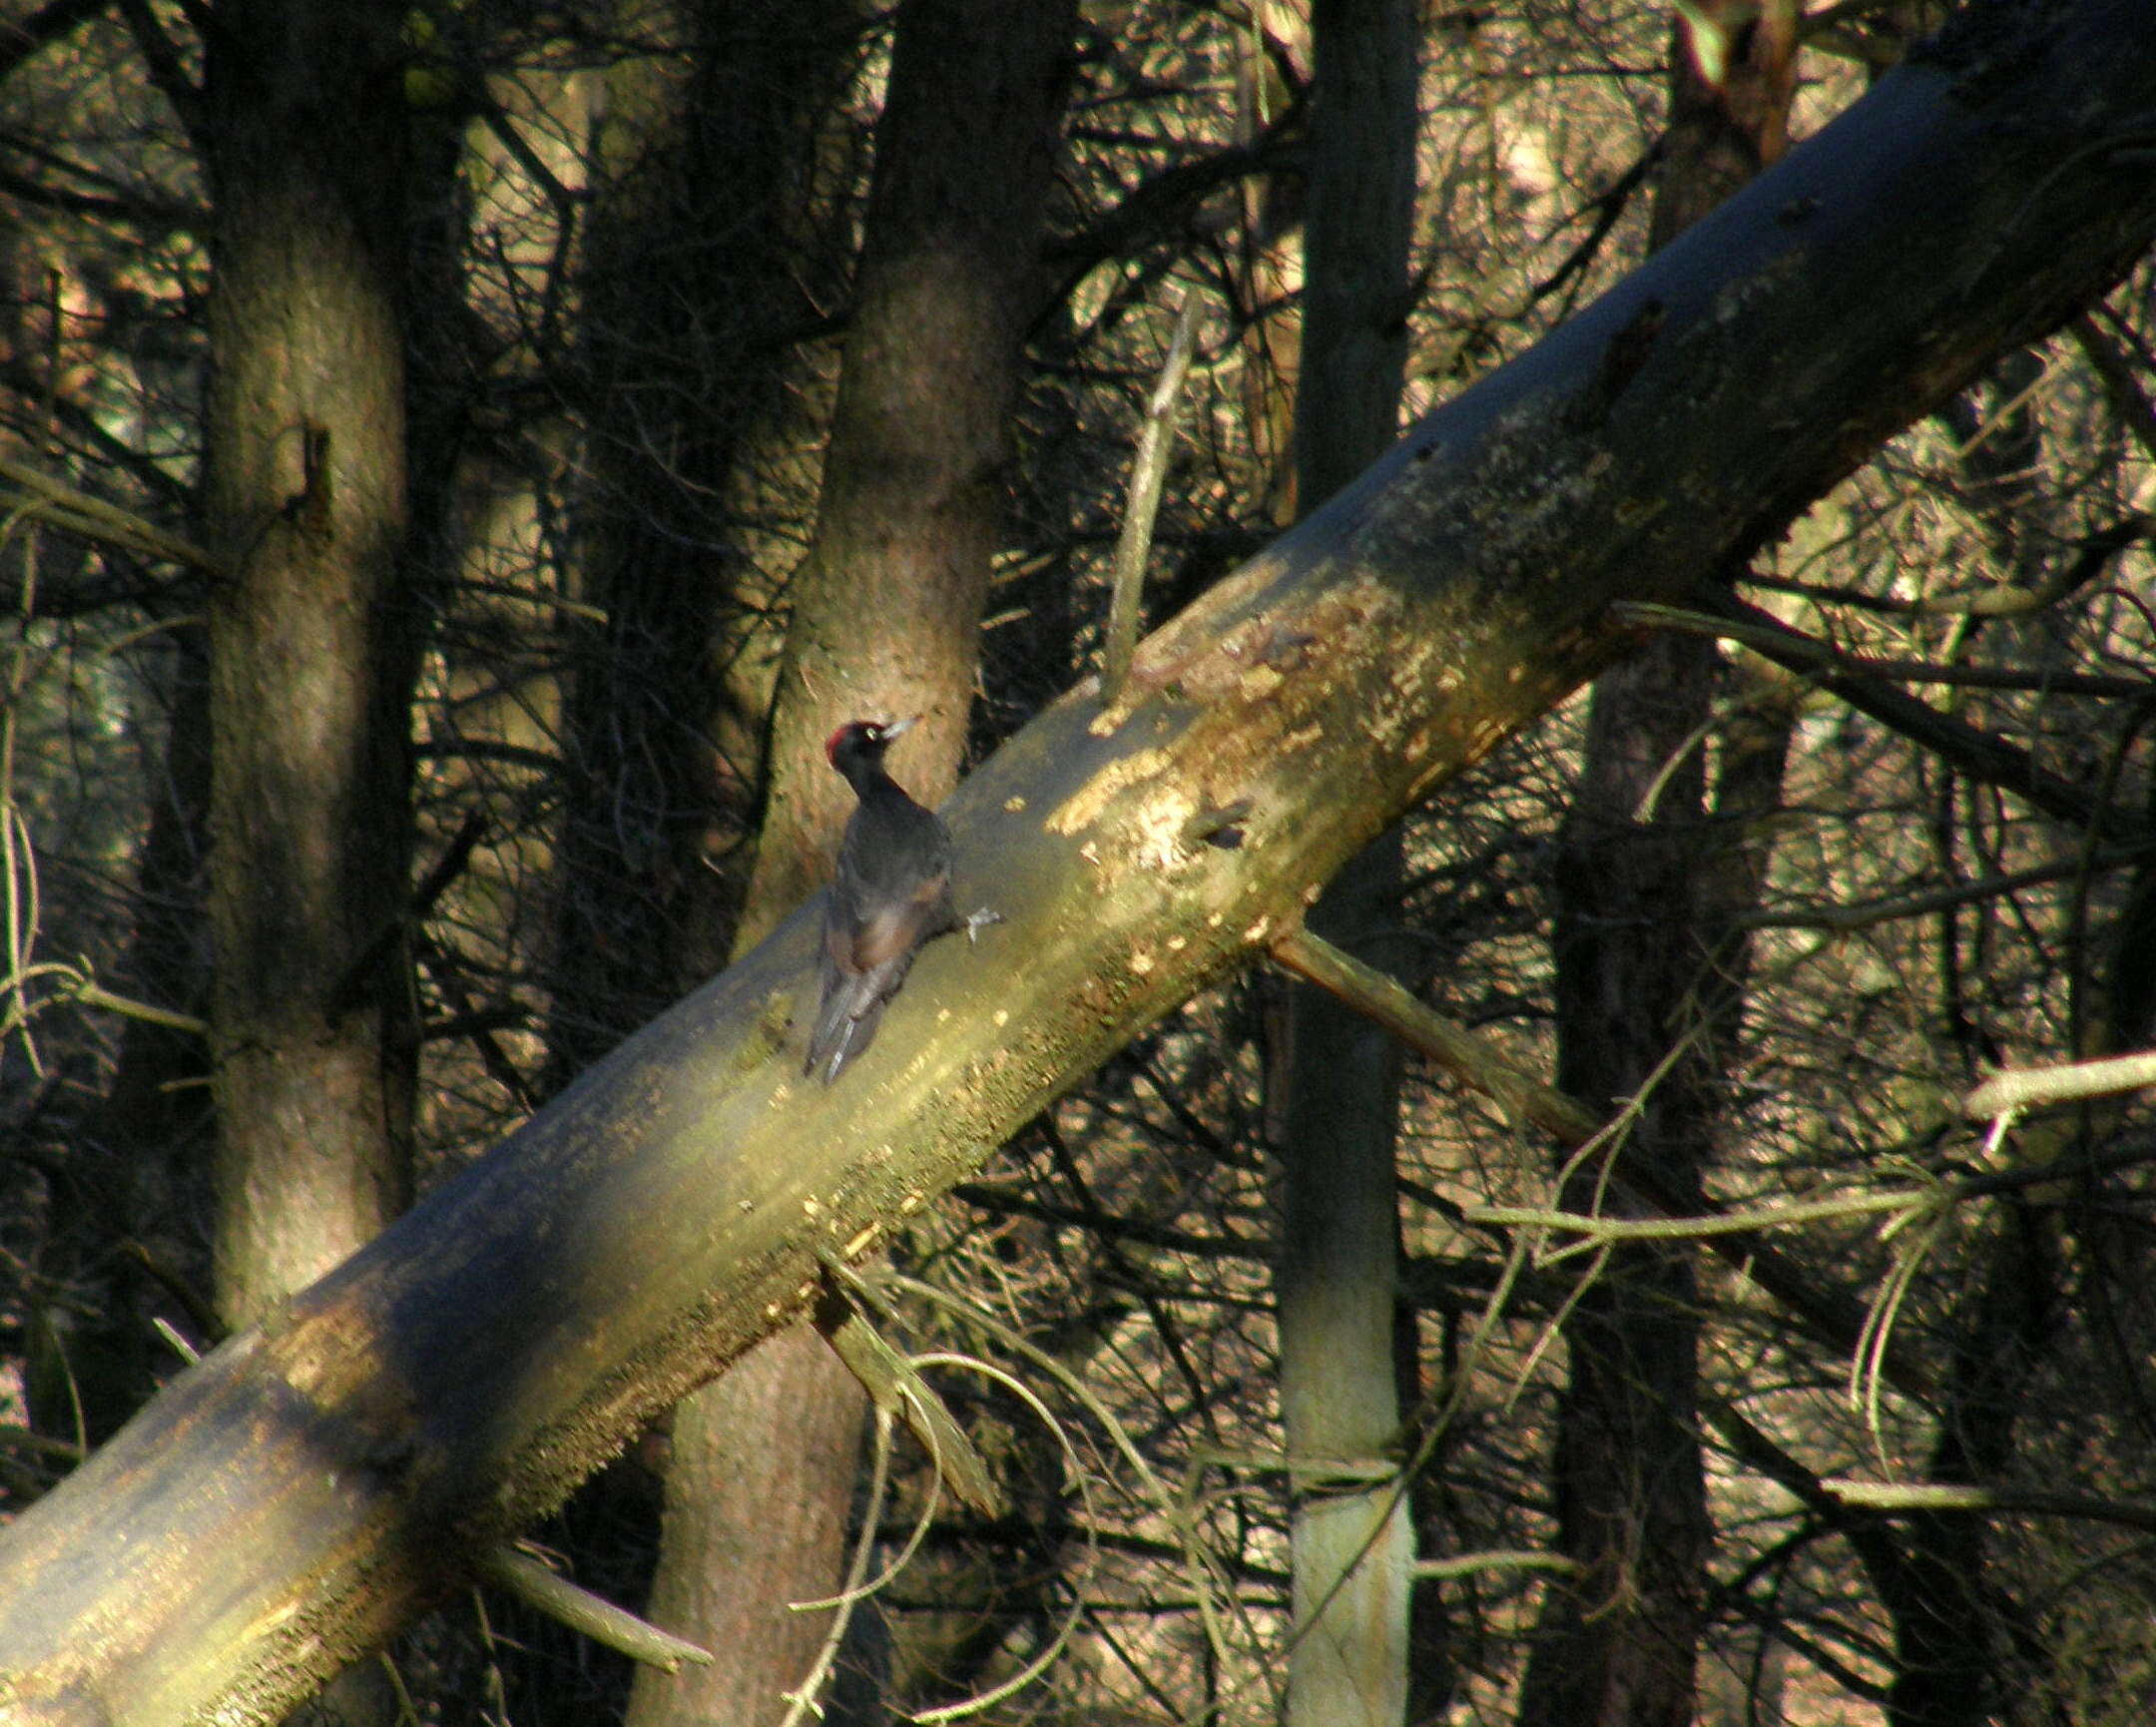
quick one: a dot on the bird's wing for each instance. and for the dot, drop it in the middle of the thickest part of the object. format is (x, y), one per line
(863, 964)
(891, 932)
(891, 895)
(885, 899)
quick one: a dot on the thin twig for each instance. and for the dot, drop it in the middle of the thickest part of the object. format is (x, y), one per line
(1596, 1227)
(89, 993)
(1466, 1055)
(1788, 648)
(1920, 903)
(1473, 1564)
(1469, 1057)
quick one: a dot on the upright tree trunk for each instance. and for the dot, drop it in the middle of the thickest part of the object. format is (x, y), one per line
(142, 1162)
(1265, 276)
(1338, 1294)
(885, 622)
(1649, 970)
(1956, 1660)
(693, 290)
(709, 249)
(309, 675)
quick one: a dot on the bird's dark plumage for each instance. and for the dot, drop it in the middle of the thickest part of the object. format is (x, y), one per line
(891, 892)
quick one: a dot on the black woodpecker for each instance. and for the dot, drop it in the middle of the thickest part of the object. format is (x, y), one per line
(891, 892)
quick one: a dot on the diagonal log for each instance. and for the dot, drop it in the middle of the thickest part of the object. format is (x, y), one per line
(287, 1504)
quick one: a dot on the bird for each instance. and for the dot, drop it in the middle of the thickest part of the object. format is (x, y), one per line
(891, 894)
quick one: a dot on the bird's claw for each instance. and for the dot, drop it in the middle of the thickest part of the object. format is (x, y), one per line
(978, 921)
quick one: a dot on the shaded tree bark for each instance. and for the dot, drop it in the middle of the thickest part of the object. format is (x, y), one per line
(694, 294)
(712, 247)
(312, 1482)
(311, 667)
(305, 505)
(1649, 987)
(886, 621)
(1955, 1656)
(1276, 50)
(1337, 1285)
(145, 1153)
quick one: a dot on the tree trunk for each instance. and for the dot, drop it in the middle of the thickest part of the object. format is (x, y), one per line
(1956, 1660)
(309, 672)
(693, 293)
(310, 677)
(144, 1161)
(885, 622)
(711, 245)
(1338, 1282)
(316, 1479)
(1649, 968)
(1265, 275)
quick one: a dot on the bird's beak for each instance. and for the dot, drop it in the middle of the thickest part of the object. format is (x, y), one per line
(899, 728)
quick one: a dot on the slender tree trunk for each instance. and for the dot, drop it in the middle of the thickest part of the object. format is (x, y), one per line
(1649, 971)
(1265, 276)
(885, 622)
(1956, 1662)
(1354, 1537)
(143, 1161)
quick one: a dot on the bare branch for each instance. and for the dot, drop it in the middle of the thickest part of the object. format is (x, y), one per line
(2021, 1088)
(518, 1573)
(1149, 468)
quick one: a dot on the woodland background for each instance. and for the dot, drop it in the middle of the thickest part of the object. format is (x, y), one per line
(460, 463)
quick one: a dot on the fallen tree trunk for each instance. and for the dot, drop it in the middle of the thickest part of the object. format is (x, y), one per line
(287, 1504)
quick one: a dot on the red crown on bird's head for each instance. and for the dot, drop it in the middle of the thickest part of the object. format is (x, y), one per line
(872, 732)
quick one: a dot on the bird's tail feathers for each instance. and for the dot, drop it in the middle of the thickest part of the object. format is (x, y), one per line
(846, 1024)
